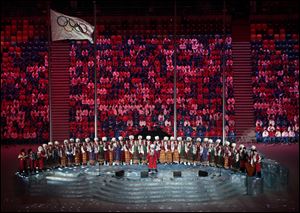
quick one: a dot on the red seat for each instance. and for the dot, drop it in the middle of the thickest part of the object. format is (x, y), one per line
(282, 36)
(259, 37)
(282, 31)
(295, 36)
(270, 31)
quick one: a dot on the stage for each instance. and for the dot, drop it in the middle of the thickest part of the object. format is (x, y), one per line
(94, 188)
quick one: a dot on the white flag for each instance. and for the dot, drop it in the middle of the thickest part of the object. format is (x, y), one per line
(68, 27)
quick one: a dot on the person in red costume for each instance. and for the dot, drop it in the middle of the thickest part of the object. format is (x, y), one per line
(256, 159)
(22, 160)
(41, 154)
(152, 159)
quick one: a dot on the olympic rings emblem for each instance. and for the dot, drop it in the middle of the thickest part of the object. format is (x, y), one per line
(69, 24)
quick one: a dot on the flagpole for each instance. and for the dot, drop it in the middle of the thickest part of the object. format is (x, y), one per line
(223, 81)
(175, 72)
(49, 71)
(95, 69)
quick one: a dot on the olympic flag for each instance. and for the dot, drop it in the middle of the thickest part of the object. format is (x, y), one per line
(68, 27)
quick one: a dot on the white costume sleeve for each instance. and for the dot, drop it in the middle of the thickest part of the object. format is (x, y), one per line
(237, 156)
(186, 148)
(131, 150)
(96, 149)
(194, 150)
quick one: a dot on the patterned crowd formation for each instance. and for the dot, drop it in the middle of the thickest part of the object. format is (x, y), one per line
(135, 83)
(24, 80)
(275, 60)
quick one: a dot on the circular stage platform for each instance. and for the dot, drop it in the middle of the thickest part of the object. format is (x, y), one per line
(133, 184)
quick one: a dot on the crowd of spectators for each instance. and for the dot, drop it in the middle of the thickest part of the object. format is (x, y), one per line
(24, 81)
(135, 76)
(275, 60)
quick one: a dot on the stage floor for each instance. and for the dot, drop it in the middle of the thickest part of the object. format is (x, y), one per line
(97, 189)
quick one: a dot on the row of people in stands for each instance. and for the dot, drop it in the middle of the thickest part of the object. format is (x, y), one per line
(276, 86)
(21, 31)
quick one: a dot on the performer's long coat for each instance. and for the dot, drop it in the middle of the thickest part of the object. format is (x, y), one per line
(152, 159)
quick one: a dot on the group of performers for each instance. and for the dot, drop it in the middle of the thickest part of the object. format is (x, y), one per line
(142, 151)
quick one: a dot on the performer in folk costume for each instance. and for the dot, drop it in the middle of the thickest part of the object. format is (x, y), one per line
(234, 158)
(126, 149)
(96, 149)
(168, 151)
(49, 151)
(181, 150)
(70, 152)
(203, 144)
(84, 151)
(211, 151)
(226, 155)
(201, 152)
(194, 149)
(122, 149)
(76, 152)
(205, 161)
(198, 146)
(144, 150)
(22, 161)
(41, 155)
(62, 154)
(135, 152)
(117, 153)
(31, 160)
(162, 151)
(256, 160)
(242, 158)
(174, 148)
(45, 149)
(250, 164)
(56, 154)
(155, 143)
(101, 153)
(111, 151)
(209, 143)
(152, 158)
(220, 152)
(130, 146)
(91, 153)
(189, 150)
(156, 147)
(106, 150)
(216, 149)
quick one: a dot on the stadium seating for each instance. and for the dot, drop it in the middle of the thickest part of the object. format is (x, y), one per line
(24, 81)
(275, 59)
(135, 85)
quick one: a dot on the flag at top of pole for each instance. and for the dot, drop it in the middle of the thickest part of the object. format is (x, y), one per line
(68, 27)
